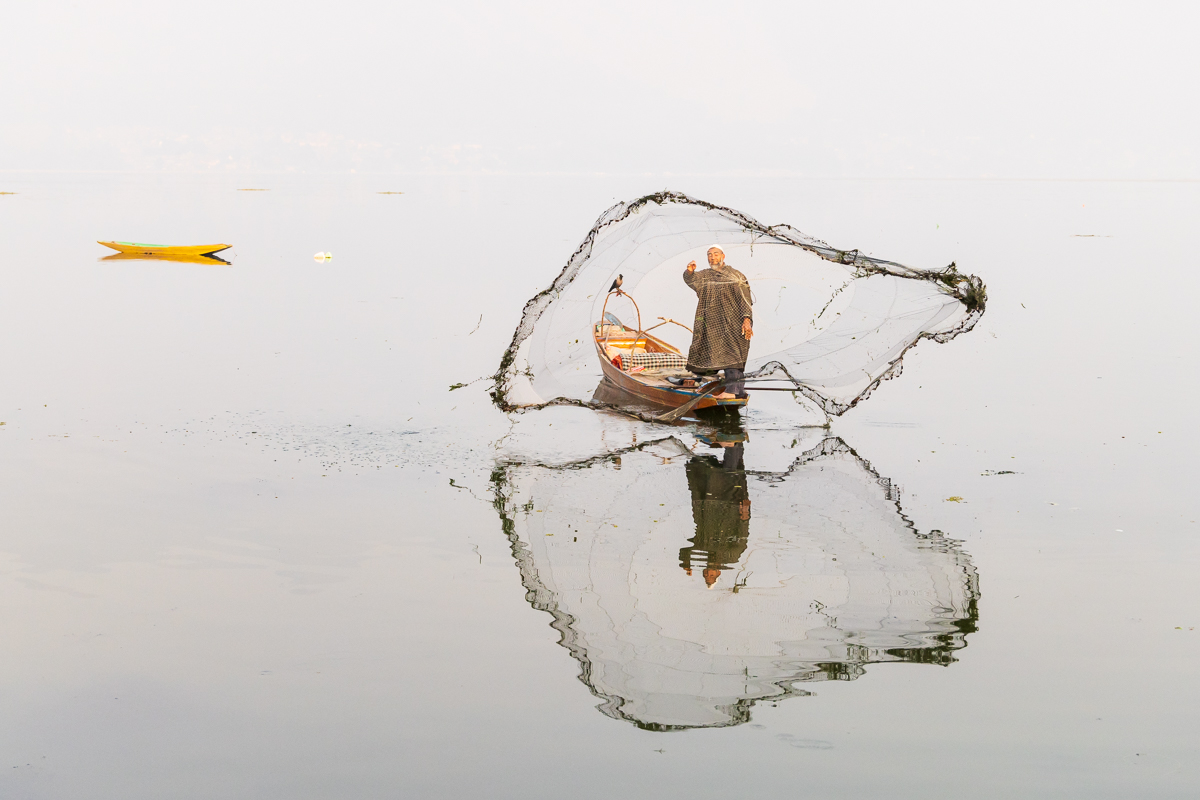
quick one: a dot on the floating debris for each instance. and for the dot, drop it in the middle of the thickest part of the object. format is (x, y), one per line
(322, 256)
(389, 192)
(254, 190)
(988, 472)
(954, 499)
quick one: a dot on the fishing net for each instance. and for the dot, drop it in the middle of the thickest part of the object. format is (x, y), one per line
(689, 588)
(832, 323)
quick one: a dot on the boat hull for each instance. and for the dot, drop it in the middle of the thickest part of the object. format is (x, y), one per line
(657, 392)
(137, 248)
(609, 393)
(178, 259)
(664, 397)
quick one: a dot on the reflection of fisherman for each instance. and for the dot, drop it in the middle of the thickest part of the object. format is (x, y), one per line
(721, 509)
(724, 321)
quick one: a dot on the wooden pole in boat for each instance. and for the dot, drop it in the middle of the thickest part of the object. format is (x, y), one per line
(771, 389)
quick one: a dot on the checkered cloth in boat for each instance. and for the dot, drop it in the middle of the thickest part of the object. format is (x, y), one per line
(630, 361)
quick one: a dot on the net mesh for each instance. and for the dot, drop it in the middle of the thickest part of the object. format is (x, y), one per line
(832, 323)
(818, 573)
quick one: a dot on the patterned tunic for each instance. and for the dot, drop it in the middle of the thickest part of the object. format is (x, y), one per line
(724, 301)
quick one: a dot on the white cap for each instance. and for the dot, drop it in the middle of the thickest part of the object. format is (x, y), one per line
(717, 247)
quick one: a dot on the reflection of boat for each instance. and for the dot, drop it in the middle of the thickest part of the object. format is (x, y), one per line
(165, 249)
(683, 608)
(640, 364)
(181, 259)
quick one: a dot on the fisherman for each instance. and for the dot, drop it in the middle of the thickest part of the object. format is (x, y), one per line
(724, 322)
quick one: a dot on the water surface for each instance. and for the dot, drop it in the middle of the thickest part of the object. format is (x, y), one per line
(253, 545)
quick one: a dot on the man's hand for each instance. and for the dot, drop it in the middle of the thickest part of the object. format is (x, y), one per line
(747, 329)
(691, 266)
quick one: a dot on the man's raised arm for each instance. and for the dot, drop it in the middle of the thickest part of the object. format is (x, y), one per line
(689, 275)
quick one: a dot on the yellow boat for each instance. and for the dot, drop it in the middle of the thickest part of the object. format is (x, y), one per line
(140, 249)
(185, 259)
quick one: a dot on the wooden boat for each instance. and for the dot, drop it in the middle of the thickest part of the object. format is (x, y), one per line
(639, 364)
(166, 249)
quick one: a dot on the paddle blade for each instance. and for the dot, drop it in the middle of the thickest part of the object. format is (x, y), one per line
(705, 390)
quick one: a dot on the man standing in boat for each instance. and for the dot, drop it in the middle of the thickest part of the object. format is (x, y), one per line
(724, 322)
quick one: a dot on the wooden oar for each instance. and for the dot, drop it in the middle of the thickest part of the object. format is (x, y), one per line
(705, 391)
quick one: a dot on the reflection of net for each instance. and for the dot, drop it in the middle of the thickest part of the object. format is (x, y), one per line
(831, 576)
(834, 323)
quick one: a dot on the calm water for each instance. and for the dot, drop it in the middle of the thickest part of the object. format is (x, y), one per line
(252, 545)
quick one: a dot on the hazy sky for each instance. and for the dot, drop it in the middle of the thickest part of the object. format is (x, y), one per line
(1050, 90)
